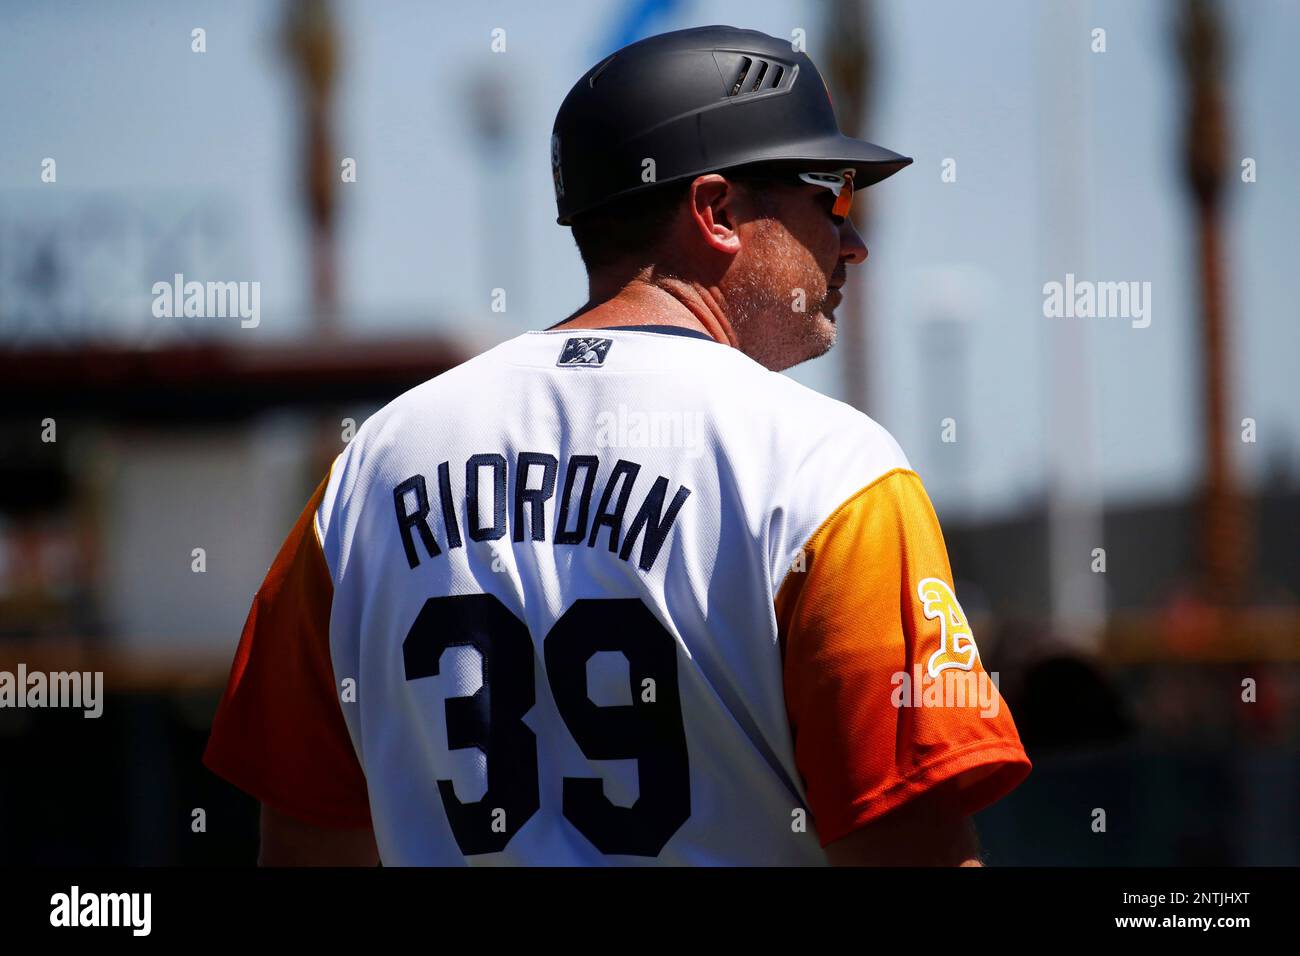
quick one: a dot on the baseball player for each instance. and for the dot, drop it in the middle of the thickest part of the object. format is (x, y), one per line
(616, 592)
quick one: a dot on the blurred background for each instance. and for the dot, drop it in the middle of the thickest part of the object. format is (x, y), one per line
(1121, 500)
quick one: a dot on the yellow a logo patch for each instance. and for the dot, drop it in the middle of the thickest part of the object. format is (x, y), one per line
(957, 648)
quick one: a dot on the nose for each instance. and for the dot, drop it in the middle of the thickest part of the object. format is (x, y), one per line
(852, 248)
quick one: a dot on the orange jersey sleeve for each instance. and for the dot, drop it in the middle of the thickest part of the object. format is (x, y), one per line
(279, 732)
(882, 677)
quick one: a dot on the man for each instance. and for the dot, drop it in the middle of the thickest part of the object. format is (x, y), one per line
(617, 592)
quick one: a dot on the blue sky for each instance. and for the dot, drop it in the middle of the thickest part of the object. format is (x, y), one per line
(113, 92)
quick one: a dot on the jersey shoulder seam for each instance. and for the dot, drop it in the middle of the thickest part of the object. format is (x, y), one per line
(779, 584)
(848, 502)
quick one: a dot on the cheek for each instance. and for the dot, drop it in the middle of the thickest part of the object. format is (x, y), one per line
(819, 241)
(810, 245)
(798, 255)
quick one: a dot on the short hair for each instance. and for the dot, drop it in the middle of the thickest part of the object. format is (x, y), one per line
(627, 231)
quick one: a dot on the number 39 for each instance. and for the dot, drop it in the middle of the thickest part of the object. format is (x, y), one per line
(491, 719)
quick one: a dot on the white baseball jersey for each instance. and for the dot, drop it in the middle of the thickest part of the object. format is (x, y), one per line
(615, 596)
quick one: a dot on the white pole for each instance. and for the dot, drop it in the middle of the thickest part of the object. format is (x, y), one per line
(1066, 62)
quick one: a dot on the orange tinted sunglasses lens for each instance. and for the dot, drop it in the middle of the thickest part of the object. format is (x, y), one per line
(844, 201)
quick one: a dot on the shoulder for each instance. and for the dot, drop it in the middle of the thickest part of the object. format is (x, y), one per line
(826, 448)
(800, 456)
(802, 418)
(387, 436)
(382, 452)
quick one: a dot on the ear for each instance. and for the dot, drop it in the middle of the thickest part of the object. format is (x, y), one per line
(715, 212)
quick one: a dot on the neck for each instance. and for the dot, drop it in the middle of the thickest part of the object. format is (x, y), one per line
(655, 299)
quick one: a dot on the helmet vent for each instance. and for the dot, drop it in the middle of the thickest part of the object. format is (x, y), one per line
(757, 76)
(745, 64)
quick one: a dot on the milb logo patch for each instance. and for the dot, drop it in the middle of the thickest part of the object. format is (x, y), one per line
(587, 351)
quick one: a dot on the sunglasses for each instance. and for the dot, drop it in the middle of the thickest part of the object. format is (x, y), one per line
(839, 183)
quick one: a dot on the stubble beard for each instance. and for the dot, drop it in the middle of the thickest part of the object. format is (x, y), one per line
(770, 329)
